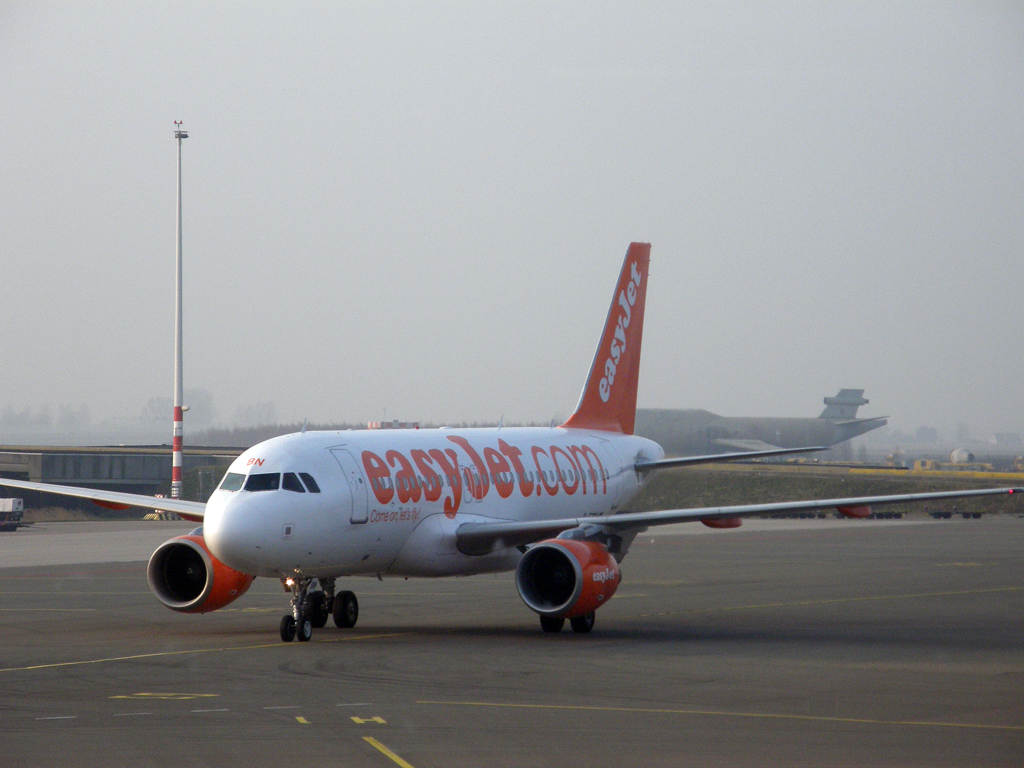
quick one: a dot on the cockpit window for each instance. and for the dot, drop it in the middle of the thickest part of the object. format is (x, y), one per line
(291, 483)
(310, 482)
(232, 481)
(263, 482)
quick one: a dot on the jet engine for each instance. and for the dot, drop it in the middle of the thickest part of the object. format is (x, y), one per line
(565, 579)
(961, 456)
(187, 578)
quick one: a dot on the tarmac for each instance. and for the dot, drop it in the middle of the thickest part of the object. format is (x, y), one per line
(782, 643)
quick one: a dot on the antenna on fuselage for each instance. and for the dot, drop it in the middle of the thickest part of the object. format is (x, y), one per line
(304, 426)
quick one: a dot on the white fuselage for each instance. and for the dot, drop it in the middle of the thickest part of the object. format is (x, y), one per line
(390, 501)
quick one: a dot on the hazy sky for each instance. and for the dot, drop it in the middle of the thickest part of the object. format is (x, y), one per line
(423, 207)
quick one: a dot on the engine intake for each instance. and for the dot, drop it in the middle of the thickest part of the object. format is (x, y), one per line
(564, 579)
(186, 577)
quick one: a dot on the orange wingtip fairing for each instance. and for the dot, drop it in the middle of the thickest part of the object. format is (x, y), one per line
(608, 402)
(722, 522)
(110, 505)
(856, 512)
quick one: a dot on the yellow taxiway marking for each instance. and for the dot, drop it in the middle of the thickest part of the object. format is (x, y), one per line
(376, 719)
(717, 713)
(225, 649)
(831, 601)
(387, 752)
(302, 720)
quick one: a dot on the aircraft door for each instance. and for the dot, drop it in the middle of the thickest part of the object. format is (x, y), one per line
(356, 483)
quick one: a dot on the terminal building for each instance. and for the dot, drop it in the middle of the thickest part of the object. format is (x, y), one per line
(131, 469)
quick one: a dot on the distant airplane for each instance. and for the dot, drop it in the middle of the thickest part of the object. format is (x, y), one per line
(549, 503)
(694, 432)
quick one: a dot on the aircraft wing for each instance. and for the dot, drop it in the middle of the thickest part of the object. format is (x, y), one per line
(482, 538)
(685, 461)
(187, 510)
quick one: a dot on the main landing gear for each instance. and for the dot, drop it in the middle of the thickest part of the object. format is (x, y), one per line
(580, 624)
(313, 601)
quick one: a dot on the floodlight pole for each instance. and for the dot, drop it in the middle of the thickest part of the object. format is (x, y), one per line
(179, 419)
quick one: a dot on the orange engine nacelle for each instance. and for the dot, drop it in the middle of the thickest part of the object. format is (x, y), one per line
(858, 513)
(186, 577)
(563, 579)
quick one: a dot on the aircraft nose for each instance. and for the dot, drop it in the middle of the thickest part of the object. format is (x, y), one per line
(231, 530)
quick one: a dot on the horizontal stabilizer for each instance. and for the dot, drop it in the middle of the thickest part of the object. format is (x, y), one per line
(844, 405)
(712, 458)
(741, 444)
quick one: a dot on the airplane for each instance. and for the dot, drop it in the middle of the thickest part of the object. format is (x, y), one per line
(683, 432)
(551, 504)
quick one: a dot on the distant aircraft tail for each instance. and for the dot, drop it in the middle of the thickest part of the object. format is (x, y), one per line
(608, 402)
(844, 405)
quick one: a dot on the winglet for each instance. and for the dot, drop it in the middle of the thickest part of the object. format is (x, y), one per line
(608, 402)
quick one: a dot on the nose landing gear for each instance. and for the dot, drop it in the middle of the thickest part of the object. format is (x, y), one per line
(298, 623)
(311, 607)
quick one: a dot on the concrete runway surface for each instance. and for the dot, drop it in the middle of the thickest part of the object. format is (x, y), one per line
(805, 643)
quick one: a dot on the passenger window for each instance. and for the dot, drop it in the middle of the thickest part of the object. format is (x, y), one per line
(263, 482)
(232, 481)
(291, 483)
(310, 482)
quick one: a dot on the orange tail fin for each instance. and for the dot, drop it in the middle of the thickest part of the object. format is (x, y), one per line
(608, 402)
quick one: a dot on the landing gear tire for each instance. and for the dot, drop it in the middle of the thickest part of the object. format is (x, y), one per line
(582, 624)
(551, 624)
(287, 628)
(317, 610)
(304, 630)
(346, 610)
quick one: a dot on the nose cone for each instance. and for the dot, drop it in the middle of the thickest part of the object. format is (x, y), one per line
(232, 532)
